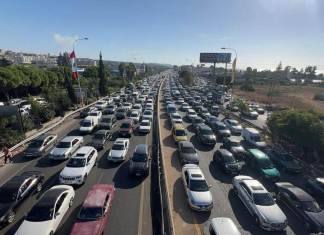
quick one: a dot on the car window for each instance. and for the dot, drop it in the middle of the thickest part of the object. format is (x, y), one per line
(90, 156)
(211, 230)
(60, 202)
(186, 177)
(106, 204)
(74, 142)
(246, 189)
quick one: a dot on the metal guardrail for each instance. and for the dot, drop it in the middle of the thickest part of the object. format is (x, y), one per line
(48, 128)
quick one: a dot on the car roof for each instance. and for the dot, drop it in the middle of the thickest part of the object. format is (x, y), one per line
(222, 225)
(70, 138)
(252, 130)
(83, 150)
(102, 131)
(320, 180)
(258, 153)
(195, 174)
(141, 148)
(186, 144)
(300, 194)
(204, 127)
(234, 139)
(120, 141)
(97, 195)
(254, 185)
(224, 152)
(178, 126)
(50, 197)
(128, 120)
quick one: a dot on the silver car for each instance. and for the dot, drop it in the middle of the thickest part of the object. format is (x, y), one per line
(196, 187)
(259, 203)
(221, 226)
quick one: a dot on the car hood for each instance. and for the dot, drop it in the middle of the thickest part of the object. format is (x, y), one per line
(116, 153)
(291, 165)
(86, 228)
(209, 137)
(224, 131)
(239, 127)
(272, 172)
(190, 156)
(4, 208)
(318, 218)
(73, 171)
(238, 149)
(272, 214)
(59, 151)
(260, 144)
(28, 228)
(201, 198)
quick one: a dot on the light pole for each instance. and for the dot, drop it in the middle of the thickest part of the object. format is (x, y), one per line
(234, 72)
(80, 92)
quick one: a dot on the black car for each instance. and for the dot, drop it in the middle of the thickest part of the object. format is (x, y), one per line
(303, 205)
(41, 145)
(220, 129)
(227, 161)
(315, 186)
(233, 144)
(206, 135)
(15, 191)
(121, 113)
(284, 160)
(139, 162)
(85, 112)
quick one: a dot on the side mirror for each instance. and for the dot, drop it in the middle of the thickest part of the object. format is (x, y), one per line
(56, 214)
(210, 186)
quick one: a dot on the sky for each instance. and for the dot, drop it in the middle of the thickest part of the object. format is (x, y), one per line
(264, 32)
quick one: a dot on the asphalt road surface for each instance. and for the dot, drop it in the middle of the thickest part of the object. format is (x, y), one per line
(130, 212)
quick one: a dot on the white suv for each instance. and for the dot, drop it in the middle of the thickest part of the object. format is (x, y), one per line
(196, 187)
(79, 166)
(119, 150)
(259, 203)
(66, 147)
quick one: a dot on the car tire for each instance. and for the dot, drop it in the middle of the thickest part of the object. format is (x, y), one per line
(256, 220)
(39, 187)
(85, 178)
(71, 202)
(51, 233)
(11, 217)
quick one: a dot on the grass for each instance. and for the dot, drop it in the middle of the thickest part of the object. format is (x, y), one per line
(301, 97)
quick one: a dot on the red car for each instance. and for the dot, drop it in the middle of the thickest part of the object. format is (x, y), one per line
(94, 213)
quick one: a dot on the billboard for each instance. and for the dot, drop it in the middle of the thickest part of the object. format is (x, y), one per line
(215, 57)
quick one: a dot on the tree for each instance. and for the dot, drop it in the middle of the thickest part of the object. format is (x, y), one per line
(103, 82)
(91, 72)
(187, 77)
(130, 71)
(68, 84)
(4, 62)
(63, 60)
(122, 69)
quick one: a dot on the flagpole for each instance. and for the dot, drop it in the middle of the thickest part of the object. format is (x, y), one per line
(233, 69)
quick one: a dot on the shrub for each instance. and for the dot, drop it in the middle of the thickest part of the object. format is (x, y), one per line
(319, 96)
(247, 87)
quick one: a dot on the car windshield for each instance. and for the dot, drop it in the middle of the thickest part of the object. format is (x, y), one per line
(39, 213)
(235, 143)
(213, 119)
(147, 113)
(125, 125)
(86, 123)
(263, 199)
(36, 144)
(206, 132)
(94, 114)
(90, 213)
(139, 157)
(99, 136)
(229, 159)
(188, 150)
(106, 120)
(265, 163)
(311, 206)
(180, 133)
(63, 144)
(256, 138)
(7, 195)
(134, 114)
(76, 162)
(145, 124)
(117, 147)
(233, 122)
(192, 113)
(199, 120)
(286, 157)
(198, 186)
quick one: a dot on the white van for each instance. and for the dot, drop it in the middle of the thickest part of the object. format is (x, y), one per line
(87, 125)
(253, 137)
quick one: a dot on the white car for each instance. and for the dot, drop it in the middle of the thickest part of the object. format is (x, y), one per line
(109, 100)
(148, 114)
(191, 114)
(149, 107)
(135, 115)
(100, 105)
(79, 166)
(176, 118)
(234, 126)
(221, 226)
(119, 150)
(127, 106)
(97, 115)
(137, 107)
(259, 202)
(198, 195)
(145, 126)
(66, 147)
(149, 101)
(46, 215)
(87, 125)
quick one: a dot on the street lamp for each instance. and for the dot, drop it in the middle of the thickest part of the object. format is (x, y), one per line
(74, 42)
(233, 71)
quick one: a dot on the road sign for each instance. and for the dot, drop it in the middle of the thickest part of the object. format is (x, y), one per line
(215, 57)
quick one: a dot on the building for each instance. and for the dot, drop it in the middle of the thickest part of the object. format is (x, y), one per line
(141, 69)
(85, 62)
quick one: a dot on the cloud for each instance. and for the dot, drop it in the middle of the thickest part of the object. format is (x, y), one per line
(65, 42)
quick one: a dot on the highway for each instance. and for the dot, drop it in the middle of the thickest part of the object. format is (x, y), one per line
(226, 203)
(130, 212)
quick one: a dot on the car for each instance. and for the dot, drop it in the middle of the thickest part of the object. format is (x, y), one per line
(96, 114)
(187, 153)
(249, 113)
(261, 163)
(302, 205)
(260, 110)
(197, 121)
(220, 129)
(121, 113)
(93, 216)
(179, 133)
(252, 137)
(135, 116)
(102, 104)
(233, 144)
(211, 119)
(226, 160)
(126, 128)
(196, 188)
(315, 186)
(260, 204)
(191, 114)
(234, 126)
(145, 126)
(107, 122)
(139, 162)
(221, 226)
(15, 191)
(284, 160)
(205, 135)
(66, 147)
(87, 125)
(137, 107)
(149, 106)
(79, 166)
(46, 215)
(41, 145)
(148, 114)
(85, 112)
(184, 107)
(127, 106)
(215, 110)
(100, 138)
(119, 150)
(204, 113)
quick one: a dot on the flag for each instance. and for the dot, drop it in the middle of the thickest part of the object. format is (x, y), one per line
(74, 66)
(233, 70)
